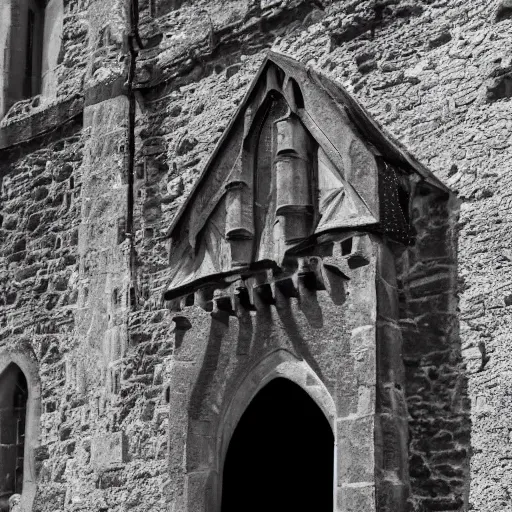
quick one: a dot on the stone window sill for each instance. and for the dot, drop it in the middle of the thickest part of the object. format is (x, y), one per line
(37, 120)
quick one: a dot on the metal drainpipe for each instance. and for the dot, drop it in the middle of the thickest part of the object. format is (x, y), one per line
(134, 45)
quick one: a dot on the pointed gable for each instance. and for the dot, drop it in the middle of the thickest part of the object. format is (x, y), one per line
(300, 163)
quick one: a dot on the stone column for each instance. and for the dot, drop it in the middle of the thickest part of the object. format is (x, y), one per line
(372, 470)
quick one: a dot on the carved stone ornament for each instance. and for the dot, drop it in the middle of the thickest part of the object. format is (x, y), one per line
(300, 167)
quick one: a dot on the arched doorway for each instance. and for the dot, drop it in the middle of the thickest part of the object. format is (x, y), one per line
(13, 410)
(281, 455)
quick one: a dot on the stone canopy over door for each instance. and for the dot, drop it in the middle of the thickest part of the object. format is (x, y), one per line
(282, 266)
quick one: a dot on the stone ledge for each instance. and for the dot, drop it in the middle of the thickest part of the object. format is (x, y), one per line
(41, 122)
(24, 129)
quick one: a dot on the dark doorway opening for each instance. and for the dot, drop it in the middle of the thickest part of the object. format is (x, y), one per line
(281, 455)
(13, 411)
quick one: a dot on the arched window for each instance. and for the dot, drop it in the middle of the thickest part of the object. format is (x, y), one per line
(32, 17)
(30, 40)
(281, 454)
(13, 413)
(52, 40)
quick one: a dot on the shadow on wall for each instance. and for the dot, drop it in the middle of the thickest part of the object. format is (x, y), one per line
(219, 327)
(437, 383)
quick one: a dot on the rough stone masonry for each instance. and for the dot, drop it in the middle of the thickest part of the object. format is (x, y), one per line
(186, 218)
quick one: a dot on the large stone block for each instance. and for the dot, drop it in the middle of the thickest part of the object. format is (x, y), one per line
(391, 497)
(386, 264)
(346, 388)
(387, 300)
(201, 491)
(201, 446)
(389, 353)
(356, 452)
(108, 451)
(356, 380)
(356, 498)
(391, 445)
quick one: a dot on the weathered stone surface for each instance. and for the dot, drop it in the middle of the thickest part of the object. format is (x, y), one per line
(108, 451)
(436, 74)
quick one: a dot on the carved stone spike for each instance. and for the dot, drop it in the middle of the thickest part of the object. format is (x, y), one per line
(293, 185)
(296, 226)
(241, 172)
(241, 251)
(289, 94)
(248, 118)
(239, 223)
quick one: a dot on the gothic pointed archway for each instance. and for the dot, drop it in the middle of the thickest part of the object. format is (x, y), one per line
(281, 454)
(20, 407)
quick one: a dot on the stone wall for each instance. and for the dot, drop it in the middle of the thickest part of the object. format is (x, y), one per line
(89, 299)
(41, 202)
